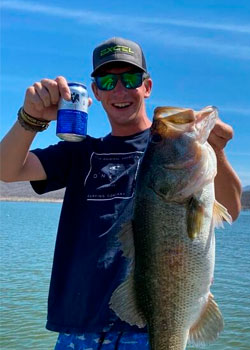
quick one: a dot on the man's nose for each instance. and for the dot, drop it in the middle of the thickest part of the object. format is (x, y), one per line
(119, 87)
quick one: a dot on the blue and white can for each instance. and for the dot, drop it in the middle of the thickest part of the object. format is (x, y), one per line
(72, 116)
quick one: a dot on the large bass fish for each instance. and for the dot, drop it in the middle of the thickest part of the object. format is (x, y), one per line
(170, 240)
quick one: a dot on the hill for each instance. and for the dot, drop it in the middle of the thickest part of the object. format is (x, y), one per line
(245, 199)
(22, 191)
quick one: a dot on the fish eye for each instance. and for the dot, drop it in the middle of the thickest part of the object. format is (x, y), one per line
(156, 138)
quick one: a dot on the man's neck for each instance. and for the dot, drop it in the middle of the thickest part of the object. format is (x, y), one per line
(127, 130)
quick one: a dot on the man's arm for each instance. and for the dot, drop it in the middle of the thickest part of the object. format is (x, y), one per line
(227, 184)
(17, 163)
(41, 102)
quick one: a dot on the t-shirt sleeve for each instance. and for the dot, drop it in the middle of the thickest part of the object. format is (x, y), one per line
(57, 162)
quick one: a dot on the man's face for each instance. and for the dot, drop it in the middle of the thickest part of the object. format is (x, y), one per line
(124, 107)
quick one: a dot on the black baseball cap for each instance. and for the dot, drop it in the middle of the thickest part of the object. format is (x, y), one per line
(118, 50)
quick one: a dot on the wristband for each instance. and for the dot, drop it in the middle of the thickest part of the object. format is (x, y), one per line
(30, 123)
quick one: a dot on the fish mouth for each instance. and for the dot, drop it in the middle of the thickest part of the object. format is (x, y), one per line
(170, 122)
(174, 115)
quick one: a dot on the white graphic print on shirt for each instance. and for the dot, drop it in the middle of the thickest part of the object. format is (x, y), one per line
(112, 175)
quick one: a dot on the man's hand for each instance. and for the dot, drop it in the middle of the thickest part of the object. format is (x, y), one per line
(41, 99)
(220, 135)
(227, 183)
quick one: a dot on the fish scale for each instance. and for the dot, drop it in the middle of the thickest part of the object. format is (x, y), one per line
(170, 241)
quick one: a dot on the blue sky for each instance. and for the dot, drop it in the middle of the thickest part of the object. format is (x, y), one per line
(198, 53)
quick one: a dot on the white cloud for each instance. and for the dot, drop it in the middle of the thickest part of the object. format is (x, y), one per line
(237, 110)
(195, 24)
(153, 28)
(100, 18)
(25, 6)
(213, 46)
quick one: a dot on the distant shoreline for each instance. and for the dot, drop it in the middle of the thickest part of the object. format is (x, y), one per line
(30, 199)
(22, 192)
(50, 200)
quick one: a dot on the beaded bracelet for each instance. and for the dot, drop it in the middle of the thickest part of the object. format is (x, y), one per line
(31, 124)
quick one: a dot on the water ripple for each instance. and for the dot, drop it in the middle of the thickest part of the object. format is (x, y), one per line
(26, 257)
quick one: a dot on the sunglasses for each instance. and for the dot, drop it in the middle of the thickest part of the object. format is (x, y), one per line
(129, 80)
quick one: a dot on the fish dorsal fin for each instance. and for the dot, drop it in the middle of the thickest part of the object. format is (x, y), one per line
(209, 325)
(123, 299)
(220, 213)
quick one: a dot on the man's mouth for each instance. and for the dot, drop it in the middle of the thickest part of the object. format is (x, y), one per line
(122, 105)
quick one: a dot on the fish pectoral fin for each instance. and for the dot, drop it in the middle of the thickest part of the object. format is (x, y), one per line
(123, 303)
(209, 325)
(195, 215)
(220, 213)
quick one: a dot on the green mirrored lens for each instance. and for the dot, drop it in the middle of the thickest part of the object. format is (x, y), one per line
(106, 82)
(131, 80)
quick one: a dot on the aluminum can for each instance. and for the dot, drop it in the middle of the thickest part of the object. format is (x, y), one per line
(72, 116)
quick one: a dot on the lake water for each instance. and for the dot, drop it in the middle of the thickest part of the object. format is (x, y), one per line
(28, 232)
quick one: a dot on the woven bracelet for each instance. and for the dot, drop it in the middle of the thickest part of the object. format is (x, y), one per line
(31, 124)
(32, 120)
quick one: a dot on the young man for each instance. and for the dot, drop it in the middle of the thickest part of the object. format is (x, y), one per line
(99, 176)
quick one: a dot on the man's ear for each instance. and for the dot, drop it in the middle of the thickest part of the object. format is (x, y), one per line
(148, 83)
(95, 91)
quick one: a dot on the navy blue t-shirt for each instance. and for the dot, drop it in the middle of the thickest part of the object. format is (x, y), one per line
(99, 176)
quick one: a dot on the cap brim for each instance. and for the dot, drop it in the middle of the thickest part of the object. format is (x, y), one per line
(115, 60)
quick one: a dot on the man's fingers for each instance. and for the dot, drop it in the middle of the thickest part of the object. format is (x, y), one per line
(34, 99)
(63, 88)
(217, 142)
(220, 135)
(90, 101)
(43, 93)
(223, 130)
(52, 88)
